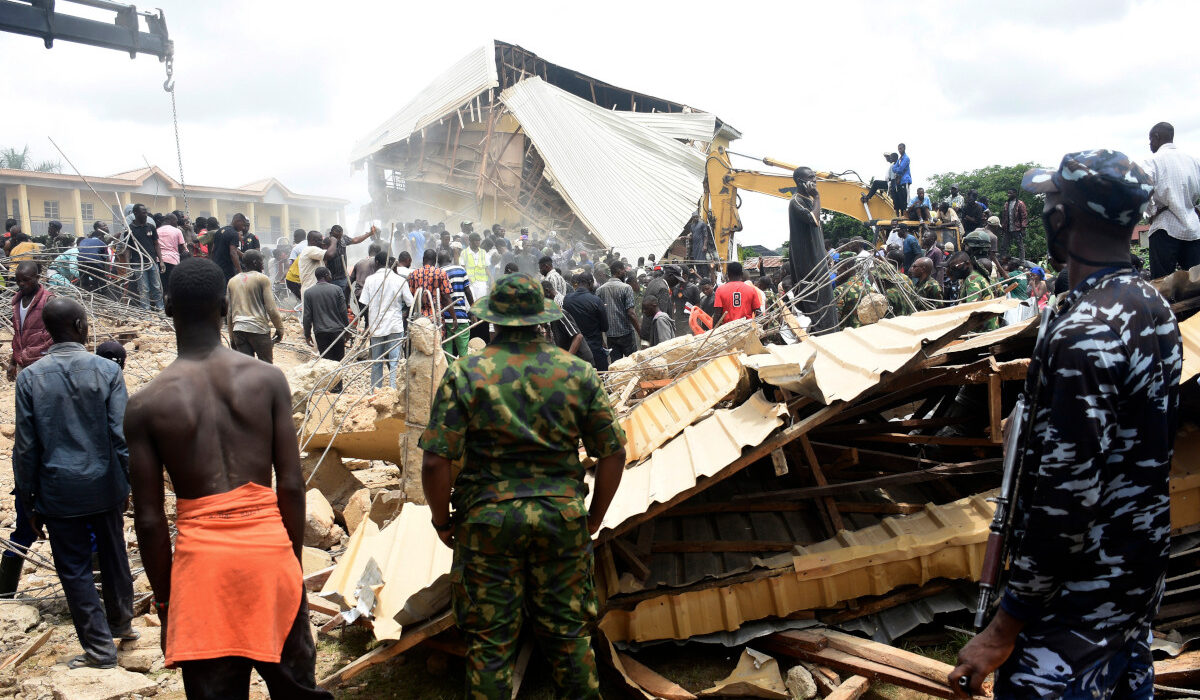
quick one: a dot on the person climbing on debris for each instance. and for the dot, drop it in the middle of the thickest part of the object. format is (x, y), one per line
(521, 534)
(231, 597)
(1091, 532)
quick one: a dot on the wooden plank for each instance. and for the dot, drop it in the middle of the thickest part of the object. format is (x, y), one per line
(316, 579)
(829, 507)
(995, 417)
(936, 472)
(652, 682)
(735, 507)
(844, 431)
(779, 461)
(720, 546)
(827, 679)
(606, 573)
(382, 653)
(905, 439)
(851, 689)
(1184, 668)
(325, 607)
(882, 508)
(29, 650)
(631, 558)
(850, 663)
(923, 666)
(645, 538)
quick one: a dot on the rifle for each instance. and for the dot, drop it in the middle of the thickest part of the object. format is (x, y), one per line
(996, 558)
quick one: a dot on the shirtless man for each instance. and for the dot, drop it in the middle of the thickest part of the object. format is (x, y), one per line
(231, 597)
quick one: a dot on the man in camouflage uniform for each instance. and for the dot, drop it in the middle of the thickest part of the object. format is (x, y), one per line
(515, 414)
(964, 266)
(925, 286)
(850, 292)
(899, 293)
(1092, 516)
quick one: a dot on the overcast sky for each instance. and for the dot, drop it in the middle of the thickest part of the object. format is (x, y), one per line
(284, 89)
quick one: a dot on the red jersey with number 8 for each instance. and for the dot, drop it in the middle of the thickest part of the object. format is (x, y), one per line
(737, 300)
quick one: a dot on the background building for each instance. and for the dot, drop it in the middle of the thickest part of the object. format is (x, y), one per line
(36, 198)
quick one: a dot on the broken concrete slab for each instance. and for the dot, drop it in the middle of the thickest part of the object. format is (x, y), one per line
(332, 477)
(313, 559)
(356, 509)
(386, 506)
(99, 684)
(18, 617)
(319, 528)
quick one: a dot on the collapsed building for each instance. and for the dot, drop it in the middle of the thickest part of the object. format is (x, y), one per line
(507, 137)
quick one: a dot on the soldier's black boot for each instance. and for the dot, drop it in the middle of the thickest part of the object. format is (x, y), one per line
(10, 575)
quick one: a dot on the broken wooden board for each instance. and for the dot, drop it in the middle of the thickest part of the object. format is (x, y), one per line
(850, 689)
(649, 682)
(384, 652)
(1182, 669)
(849, 663)
(29, 650)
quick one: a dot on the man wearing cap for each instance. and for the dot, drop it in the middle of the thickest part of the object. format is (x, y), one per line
(514, 415)
(1090, 533)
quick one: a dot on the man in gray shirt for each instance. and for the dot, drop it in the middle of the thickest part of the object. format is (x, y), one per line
(325, 316)
(623, 339)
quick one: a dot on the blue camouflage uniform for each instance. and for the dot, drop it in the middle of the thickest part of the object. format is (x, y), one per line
(1092, 521)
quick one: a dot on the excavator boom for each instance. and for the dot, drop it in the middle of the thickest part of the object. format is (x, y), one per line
(723, 182)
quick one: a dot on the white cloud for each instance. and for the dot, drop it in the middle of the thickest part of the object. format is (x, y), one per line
(284, 89)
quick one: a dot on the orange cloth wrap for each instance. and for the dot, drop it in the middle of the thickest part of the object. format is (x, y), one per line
(235, 580)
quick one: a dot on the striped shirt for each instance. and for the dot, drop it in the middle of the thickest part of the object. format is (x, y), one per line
(459, 282)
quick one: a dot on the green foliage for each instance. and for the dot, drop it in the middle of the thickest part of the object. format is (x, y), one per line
(20, 160)
(992, 182)
(838, 227)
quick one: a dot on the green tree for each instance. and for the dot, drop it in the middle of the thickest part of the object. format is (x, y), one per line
(993, 182)
(13, 159)
(838, 227)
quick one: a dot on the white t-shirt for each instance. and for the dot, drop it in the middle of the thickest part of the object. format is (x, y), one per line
(311, 258)
(386, 294)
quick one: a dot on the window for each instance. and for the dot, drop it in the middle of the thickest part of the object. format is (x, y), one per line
(50, 207)
(16, 209)
(394, 180)
(276, 226)
(87, 211)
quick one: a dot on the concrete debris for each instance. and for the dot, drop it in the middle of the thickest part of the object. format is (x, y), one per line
(313, 559)
(386, 506)
(332, 478)
(93, 684)
(319, 529)
(800, 683)
(17, 618)
(423, 373)
(356, 509)
(305, 378)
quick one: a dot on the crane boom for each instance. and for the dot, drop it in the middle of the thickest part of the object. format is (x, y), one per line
(38, 18)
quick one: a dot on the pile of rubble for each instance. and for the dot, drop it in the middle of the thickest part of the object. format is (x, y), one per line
(854, 472)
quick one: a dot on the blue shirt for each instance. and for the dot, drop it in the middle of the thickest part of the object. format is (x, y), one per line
(93, 250)
(900, 167)
(924, 202)
(418, 245)
(70, 457)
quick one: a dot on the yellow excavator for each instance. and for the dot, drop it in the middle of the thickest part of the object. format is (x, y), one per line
(723, 183)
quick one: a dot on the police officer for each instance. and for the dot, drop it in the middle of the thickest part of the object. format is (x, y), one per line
(514, 415)
(1090, 542)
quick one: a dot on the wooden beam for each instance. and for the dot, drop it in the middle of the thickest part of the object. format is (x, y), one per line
(946, 441)
(995, 417)
(881, 508)
(29, 650)
(317, 579)
(735, 507)
(652, 682)
(851, 689)
(631, 558)
(382, 653)
(700, 547)
(937, 472)
(829, 508)
(843, 431)
(1184, 668)
(841, 661)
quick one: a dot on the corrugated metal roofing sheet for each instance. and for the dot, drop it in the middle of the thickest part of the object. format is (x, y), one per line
(472, 75)
(842, 365)
(946, 541)
(686, 126)
(633, 187)
(661, 416)
(701, 451)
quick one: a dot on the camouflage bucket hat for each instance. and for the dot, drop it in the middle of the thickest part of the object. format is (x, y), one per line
(517, 300)
(1106, 183)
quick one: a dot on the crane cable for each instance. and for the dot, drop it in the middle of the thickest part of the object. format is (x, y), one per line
(169, 86)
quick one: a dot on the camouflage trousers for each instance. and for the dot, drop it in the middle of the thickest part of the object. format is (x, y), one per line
(525, 559)
(1039, 667)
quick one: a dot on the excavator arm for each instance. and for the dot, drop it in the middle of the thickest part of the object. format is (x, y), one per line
(723, 181)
